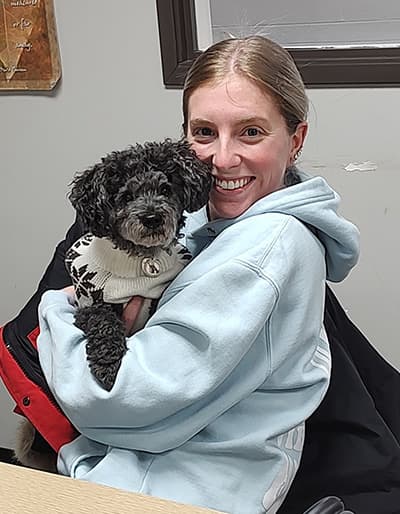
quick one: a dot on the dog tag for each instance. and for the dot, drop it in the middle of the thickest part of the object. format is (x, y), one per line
(151, 267)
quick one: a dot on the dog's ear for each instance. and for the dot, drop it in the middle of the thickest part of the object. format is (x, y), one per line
(90, 198)
(193, 174)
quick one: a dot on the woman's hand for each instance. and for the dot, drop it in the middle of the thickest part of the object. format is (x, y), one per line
(70, 290)
(131, 312)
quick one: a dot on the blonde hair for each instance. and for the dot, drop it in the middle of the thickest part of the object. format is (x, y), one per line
(258, 59)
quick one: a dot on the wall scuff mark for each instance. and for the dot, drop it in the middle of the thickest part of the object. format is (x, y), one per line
(361, 166)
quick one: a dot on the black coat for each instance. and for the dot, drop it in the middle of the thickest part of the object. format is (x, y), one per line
(352, 441)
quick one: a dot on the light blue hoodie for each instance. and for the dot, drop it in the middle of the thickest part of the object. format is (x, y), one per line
(210, 401)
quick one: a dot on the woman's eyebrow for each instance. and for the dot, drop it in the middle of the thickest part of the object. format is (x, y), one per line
(255, 120)
(251, 120)
(200, 121)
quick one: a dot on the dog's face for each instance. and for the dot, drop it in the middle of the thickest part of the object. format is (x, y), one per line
(136, 197)
(147, 209)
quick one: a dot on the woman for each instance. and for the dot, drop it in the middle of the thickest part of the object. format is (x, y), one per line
(211, 411)
(210, 402)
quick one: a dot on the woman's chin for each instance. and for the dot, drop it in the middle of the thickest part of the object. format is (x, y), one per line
(226, 210)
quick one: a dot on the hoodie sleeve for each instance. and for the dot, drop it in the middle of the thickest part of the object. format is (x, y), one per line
(202, 352)
(245, 315)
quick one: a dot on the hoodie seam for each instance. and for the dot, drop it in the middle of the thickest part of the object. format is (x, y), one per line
(146, 473)
(271, 246)
(267, 326)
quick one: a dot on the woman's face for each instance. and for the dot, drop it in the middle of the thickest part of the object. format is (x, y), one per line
(237, 127)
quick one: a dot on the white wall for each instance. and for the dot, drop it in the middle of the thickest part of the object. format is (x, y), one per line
(112, 95)
(360, 126)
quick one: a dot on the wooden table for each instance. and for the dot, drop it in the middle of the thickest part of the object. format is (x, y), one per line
(27, 491)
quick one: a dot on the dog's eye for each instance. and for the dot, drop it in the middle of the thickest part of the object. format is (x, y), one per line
(165, 189)
(126, 196)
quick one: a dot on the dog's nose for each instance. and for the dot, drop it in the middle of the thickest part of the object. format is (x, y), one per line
(152, 220)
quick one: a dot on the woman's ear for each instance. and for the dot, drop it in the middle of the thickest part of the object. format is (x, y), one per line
(298, 138)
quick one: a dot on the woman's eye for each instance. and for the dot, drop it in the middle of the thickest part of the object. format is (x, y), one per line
(203, 132)
(252, 132)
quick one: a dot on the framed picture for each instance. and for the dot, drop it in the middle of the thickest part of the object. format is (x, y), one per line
(29, 52)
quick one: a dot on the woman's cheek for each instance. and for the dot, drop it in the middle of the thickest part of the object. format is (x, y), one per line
(202, 153)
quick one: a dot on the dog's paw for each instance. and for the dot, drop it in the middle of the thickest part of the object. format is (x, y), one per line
(104, 356)
(105, 375)
(106, 343)
(84, 318)
(106, 352)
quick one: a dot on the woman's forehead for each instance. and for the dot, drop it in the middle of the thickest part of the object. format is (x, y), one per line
(238, 97)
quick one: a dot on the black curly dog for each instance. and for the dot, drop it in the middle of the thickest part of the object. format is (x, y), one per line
(136, 198)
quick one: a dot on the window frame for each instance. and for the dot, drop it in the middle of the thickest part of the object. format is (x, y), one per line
(320, 68)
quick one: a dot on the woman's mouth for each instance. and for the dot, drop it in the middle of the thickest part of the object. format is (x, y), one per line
(232, 185)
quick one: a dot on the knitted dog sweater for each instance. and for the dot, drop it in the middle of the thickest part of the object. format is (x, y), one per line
(103, 273)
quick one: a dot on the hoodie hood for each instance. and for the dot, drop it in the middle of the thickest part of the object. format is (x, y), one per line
(313, 202)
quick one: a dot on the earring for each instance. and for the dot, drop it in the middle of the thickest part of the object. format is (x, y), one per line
(297, 154)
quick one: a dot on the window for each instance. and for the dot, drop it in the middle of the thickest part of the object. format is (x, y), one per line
(328, 67)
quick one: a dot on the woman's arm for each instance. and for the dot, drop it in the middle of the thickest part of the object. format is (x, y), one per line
(204, 350)
(179, 373)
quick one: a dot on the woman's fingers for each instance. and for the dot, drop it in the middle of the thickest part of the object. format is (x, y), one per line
(70, 290)
(131, 312)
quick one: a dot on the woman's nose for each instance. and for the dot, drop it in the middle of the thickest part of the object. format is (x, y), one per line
(225, 156)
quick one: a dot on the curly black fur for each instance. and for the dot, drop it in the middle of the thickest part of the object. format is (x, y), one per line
(136, 198)
(105, 347)
(148, 185)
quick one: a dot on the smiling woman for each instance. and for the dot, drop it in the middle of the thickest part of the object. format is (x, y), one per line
(249, 154)
(343, 66)
(245, 114)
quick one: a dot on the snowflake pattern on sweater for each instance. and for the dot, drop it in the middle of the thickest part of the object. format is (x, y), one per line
(101, 272)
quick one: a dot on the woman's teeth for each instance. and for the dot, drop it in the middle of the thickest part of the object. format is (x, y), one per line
(232, 184)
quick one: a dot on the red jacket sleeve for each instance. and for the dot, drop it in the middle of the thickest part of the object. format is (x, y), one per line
(19, 363)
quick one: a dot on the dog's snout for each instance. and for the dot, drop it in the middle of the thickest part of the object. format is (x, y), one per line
(151, 220)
